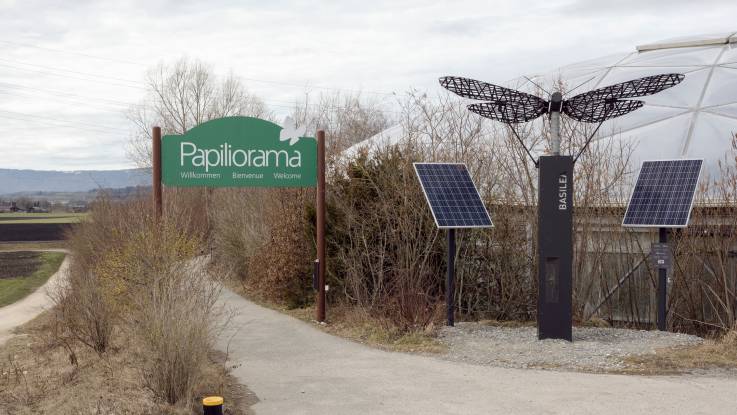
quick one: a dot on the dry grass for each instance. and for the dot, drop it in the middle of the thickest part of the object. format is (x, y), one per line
(31, 246)
(356, 325)
(353, 324)
(712, 354)
(39, 374)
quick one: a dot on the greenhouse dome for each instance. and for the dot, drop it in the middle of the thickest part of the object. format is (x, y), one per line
(695, 119)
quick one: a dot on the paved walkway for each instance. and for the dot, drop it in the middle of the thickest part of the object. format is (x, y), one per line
(20, 312)
(294, 368)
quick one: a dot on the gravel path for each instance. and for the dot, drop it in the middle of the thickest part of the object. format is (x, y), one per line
(593, 349)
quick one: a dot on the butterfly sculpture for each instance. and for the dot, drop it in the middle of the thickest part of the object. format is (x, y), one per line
(512, 107)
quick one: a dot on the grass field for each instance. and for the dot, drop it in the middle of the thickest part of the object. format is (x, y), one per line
(25, 218)
(21, 273)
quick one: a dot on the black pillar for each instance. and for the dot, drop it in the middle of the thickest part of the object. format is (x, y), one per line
(450, 279)
(555, 246)
(662, 287)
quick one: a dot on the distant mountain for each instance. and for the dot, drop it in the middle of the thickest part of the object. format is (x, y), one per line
(24, 181)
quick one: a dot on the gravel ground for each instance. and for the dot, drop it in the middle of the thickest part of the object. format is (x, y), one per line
(593, 349)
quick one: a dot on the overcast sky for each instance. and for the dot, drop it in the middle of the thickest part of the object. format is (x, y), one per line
(69, 69)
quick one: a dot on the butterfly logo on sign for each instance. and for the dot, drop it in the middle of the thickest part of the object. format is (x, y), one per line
(291, 132)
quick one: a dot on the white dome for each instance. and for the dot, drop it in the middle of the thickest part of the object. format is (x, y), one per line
(389, 137)
(695, 119)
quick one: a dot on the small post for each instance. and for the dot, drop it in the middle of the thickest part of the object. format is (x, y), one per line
(156, 171)
(315, 274)
(450, 280)
(320, 205)
(212, 405)
(662, 287)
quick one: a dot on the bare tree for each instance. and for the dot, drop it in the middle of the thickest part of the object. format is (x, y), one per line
(346, 118)
(183, 95)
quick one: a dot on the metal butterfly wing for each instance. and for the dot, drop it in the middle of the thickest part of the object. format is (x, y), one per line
(503, 104)
(610, 101)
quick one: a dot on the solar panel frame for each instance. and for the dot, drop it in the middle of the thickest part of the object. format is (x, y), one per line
(433, 207)
(690, 205)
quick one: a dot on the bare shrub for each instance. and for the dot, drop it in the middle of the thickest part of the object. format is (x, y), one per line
(704, 294)
(257, 235)
(278, 271)
(241, 227)
(176, 320)
(85, 310)
(85, 302)
(128, 269)
(496, 268)
(256, 232)
(188, 209)
(385, 246)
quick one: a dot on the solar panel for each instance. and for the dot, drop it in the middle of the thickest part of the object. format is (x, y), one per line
(452, 196)
(663, 194)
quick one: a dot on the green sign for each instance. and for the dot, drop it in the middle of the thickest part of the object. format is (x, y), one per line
(239, 151)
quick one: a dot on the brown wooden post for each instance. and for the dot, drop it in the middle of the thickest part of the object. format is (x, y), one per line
(321, 225)
(156, 171)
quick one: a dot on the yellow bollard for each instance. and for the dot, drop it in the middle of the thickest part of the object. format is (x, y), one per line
(212, 405)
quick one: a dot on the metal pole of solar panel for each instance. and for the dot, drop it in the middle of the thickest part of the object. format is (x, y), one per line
(450, 280)
(320, 205)
(156, 171)
(662, 287)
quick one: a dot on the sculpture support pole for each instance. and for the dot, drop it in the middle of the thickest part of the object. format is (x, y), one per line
(555, 133)
(556, 106)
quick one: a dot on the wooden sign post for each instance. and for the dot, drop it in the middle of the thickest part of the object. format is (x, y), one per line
(320, 206)
(156, 171)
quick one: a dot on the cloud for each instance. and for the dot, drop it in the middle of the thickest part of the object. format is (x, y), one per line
(464, 26)
(70, 69)
(633, 7)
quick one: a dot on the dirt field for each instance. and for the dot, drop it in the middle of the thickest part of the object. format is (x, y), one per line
(18, 232)
(19, 227)
(22, 272)
(19, 264)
